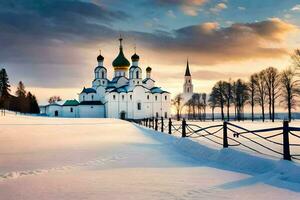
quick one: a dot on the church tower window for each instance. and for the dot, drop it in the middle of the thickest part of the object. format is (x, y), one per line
(71, 110)
(155, 98)
(114, 97)
(122, 97)
(137, 74)
(92, 97)
(130, 97)
(102, 73)
(166, 97)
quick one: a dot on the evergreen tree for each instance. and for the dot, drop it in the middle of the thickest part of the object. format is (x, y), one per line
(22, 103)
(21, 92)
(4, 90)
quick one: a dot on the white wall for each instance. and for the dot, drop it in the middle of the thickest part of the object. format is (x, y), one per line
(66, 111)
(51, 110)
(91, 111)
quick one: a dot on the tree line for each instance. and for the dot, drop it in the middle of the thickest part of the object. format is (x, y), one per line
(266, 89)
(23, 102)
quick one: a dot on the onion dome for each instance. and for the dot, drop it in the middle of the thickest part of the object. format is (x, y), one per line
(120, 61)
(100, 58)
(135, 57)
(148, 69)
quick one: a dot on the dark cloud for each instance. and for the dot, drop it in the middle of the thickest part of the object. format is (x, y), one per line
(53, 39)
(210, 44)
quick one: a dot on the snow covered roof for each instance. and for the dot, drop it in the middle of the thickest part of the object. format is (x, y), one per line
(147, 79)
(88, 90)
(156, 90)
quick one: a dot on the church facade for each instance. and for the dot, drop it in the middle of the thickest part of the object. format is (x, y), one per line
(127, 95)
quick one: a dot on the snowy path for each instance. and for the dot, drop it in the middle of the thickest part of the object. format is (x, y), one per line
(47, 158)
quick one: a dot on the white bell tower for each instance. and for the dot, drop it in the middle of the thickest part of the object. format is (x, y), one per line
(188, 88)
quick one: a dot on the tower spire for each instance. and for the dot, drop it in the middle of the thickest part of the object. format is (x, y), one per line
(121, 40)
(187, 71)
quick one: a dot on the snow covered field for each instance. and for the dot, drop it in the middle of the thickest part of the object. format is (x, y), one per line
(56, 158)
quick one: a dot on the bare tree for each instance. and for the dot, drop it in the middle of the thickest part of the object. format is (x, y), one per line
(271, 79)
(54, 99)
(228, 96)
(296, 59)
(213, 103)
(177, 102)
(204, 104)
(241, 96)
(290, 90)
(252, 91)
(218, 91)
(260, 95)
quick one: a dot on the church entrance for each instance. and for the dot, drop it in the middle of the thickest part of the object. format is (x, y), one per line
(122, 115)
(56, 113)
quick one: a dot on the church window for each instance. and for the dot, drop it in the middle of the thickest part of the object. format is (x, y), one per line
(138, 82)
(148, 97)
(166, 97)
(139, 106)
(83, 97)
(137, 74)
(103, 82)
(189, 81)
(122, 97)
(166, 115)
(92, 97)
(71, 110)
(156, 114)
(130, 97)
(102, 74)
(188, 89)
(114, 97)
(155, 98)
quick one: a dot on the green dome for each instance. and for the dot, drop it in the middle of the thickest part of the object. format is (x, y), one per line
(120, 60)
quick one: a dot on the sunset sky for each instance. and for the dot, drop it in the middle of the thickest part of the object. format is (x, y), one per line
(52, 45)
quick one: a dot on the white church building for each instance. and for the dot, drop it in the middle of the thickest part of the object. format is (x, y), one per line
(126, 96)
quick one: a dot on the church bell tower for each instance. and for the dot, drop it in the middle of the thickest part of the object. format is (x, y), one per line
(188, 86)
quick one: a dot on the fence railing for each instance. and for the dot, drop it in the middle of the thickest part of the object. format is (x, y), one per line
(268, 141)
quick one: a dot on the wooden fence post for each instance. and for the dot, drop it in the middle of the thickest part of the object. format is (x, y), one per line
(286, 142)
(225, 139)
(170, 126)
(162, 124)
(183, 128)
(156, 127)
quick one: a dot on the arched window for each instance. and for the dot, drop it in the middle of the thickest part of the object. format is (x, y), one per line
(188, 89)
(102, 73)
(83, 97)
(71, 110)
(137, 74)
(92, 97)
(139, 106)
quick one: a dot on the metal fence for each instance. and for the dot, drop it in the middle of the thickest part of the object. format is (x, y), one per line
(271, 140)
